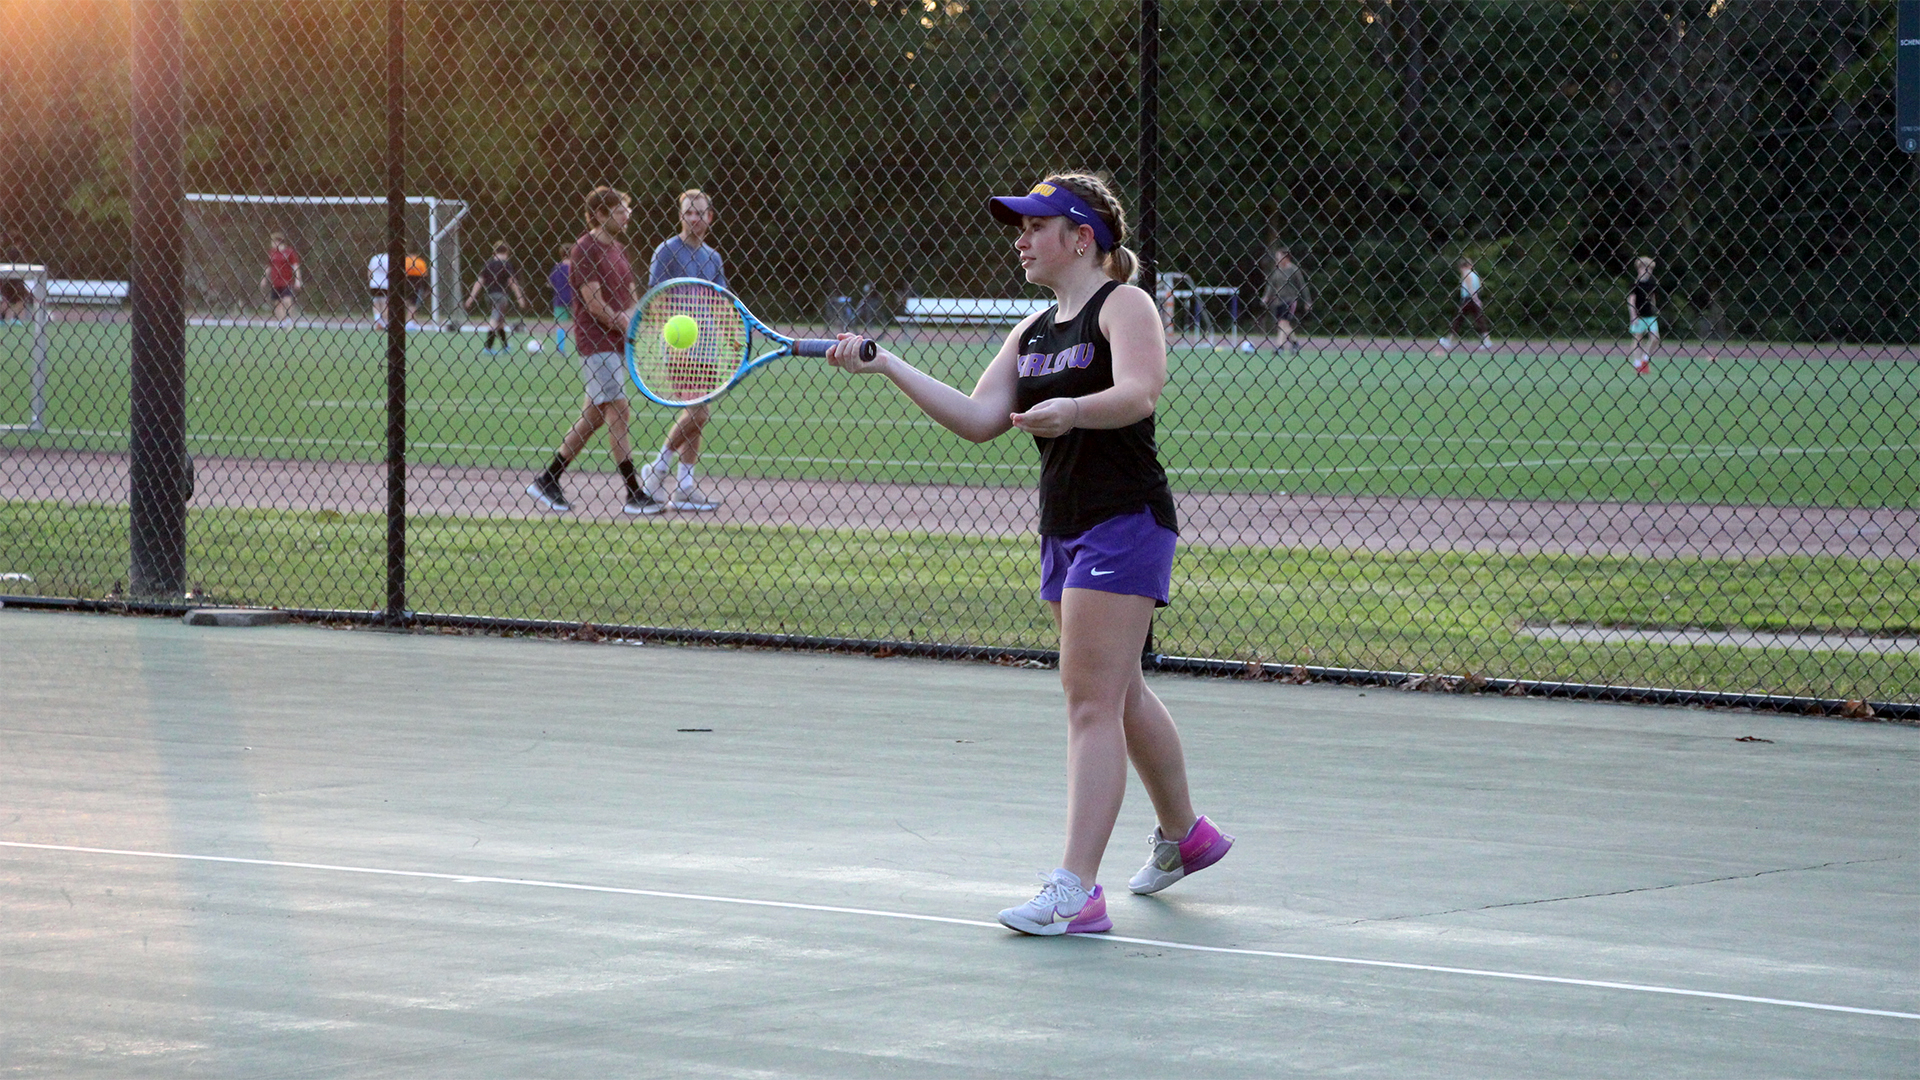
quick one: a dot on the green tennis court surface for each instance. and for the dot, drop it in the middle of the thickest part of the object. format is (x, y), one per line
(1526, 421)
(300, 851)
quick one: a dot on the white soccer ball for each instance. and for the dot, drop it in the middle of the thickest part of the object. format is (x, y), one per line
(533, 344)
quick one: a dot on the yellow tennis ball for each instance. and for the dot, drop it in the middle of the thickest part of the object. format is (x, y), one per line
(681, 331)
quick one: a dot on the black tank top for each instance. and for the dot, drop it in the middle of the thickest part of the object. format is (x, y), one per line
(1087, 475)
(1646, 299)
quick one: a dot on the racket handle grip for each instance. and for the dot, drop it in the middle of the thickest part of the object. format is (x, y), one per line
(814, 346)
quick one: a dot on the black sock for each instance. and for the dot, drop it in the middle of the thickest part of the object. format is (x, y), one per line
(631, 477)
(555, 467)
(490, 336)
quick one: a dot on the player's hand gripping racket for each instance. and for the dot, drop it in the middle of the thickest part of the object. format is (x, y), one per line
(721, 352)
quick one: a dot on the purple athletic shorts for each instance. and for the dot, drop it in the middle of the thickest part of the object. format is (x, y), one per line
(1131, 555)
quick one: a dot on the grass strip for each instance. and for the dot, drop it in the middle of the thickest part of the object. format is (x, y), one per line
(1439, 612)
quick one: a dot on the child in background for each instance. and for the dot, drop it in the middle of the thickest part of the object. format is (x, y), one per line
(1643, 314)
(500, 280)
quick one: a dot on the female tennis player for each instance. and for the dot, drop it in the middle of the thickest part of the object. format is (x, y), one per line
(1082, 378)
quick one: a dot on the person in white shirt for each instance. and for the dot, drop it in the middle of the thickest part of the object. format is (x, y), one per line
(1470, 307)
(377, 288)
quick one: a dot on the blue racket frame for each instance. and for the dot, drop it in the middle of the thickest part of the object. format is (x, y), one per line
(783, 345)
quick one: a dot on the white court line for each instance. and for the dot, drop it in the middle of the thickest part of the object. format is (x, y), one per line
(481, 879)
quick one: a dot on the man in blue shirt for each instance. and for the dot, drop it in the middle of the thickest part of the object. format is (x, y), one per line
(684, 255)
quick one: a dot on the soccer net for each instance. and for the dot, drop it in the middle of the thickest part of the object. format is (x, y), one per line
(227, 240)
(23, 347)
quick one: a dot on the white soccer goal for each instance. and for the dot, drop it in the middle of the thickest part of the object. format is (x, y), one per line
(335, 236)
(29, 364)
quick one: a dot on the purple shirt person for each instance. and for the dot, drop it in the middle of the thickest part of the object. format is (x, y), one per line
(561, 281)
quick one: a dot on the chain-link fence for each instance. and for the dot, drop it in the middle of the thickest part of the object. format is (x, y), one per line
(1418, 417)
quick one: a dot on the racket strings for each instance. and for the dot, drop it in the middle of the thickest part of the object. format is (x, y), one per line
(701, 369)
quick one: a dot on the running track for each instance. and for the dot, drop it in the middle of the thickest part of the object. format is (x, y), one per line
(1352, 522)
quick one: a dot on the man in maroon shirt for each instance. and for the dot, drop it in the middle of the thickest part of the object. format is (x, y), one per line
(606, 295)
(282, 276)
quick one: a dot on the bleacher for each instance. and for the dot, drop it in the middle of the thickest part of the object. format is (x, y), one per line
(75, 291)
(1177, 289)
(951, 311)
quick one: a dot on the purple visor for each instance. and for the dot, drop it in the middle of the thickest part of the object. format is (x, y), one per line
(1051, 200)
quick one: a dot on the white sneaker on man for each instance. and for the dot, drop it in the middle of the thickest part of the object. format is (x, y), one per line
(693, 499)
(653, 481)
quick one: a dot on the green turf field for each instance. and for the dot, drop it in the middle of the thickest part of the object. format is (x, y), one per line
(1453, 613)
(1513, 424)
(1517, 424)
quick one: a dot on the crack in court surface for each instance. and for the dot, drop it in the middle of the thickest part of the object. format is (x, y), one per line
(1623, 892)
(830, 909)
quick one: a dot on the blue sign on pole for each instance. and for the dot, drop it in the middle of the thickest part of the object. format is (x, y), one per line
(1906, 78)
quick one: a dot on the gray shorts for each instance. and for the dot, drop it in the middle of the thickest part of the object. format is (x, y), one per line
(606, 376)
(499, 302)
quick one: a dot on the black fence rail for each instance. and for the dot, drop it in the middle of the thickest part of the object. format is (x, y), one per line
(1565, 346)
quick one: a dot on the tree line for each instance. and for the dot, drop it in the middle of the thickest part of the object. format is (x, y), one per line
(850, 145)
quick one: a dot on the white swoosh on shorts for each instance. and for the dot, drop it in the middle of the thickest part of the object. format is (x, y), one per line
(1102, 573)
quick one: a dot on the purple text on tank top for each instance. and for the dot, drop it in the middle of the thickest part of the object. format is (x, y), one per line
(1034, 364)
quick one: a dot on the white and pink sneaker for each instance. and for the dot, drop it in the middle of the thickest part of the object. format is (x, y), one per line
(1064, 906)
(1174, 859)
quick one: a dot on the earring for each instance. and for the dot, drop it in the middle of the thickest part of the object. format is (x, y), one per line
(1079, 251)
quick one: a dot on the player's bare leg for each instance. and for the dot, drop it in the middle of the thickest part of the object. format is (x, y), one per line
(591, 417)
(1153, 745)
(616, 415)
(1643, 347)
(682, 444)
(1101, 635)
(684, 438)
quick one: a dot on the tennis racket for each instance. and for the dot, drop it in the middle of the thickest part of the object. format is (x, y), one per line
(719, 357)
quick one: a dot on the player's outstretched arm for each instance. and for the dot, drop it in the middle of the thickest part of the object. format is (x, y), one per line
(976, 417)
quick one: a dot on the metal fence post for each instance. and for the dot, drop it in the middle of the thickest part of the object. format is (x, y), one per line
(1149, 180)
(159, 470)
(1149, 144)
(396, 609)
